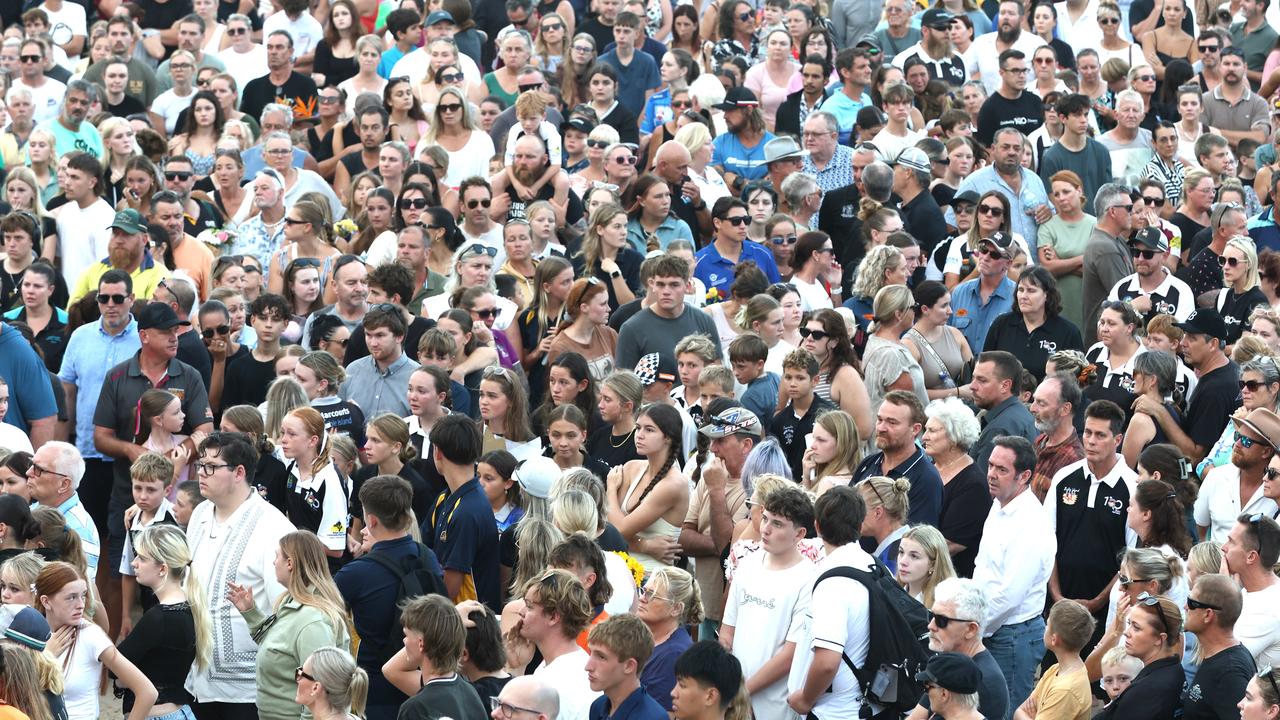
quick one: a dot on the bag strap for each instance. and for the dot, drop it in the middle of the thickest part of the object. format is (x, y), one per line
(866, 579)
(923, 343)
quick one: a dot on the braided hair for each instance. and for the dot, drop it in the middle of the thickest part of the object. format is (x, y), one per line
(667, 418)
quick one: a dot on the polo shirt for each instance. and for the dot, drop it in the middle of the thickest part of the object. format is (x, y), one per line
(728, 152)
(1009, 332)
(634, 79)
(91, 352)
(450, 696)
(379, 391)
(637, 706)
(1251, 111)
(1089, 515)
(1171, 297)
(972, 316)
(924, 501)
(1264, 230)
(949, 70)
(52, 339)
(146, 278)
(846, 111)
(30, 392)
(716, 272)
(1256, 45)
(465, 540)
(1008, 417)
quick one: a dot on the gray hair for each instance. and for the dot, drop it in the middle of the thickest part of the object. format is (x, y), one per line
(968, 701)
(67, 462)
(765, 458)
(828, 117)
(543, 697)
(966, 595)
(17, 91)
(239, 17)
(1007, 130)
(1265, 366)
(877, 178)
(524, 36)
(797, 186)
(1159, 365)
(372, 41)
(89, 89)
(277, 108)
(957, 420)
(1128, 96)
(276, 135)
(1108, 196)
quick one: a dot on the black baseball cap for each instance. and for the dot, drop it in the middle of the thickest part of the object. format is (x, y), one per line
(951, 671)
(1151, 238)
(157, 316)
(1204, 321)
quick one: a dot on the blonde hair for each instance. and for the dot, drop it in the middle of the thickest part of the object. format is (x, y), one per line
(889, 301)
(284, 395)
(887, 493)
(872, 269)
(22, 684)
(931, 540)
(167, 545)
(848, 445)
(1205, 557)
(693, 136)
(1245, 245)
(310, 582)
(346, 685)
(1118, 656)
(1155, 565)
(535, 537)
(575, 511)
(683, 591)
(24, 174)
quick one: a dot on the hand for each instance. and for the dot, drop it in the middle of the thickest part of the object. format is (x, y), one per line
(691, 191)
(1122, 613)
(500, 205)
(126, 627)
(1086, 604)
(1147, 406)
(198, 437)
(526, 193)
(835, 275)
(1047, 254)
(808, 463)
(519, 650)
(482, 333)
(715, 474)
(609, 266)
(544, 346)
(662, 548)
(239, 596)
(129, 514)
(1142, 304)
(61, 639)
(465, 609)
(179, 456)
(218, 350)
(798, 703)
(1043, 214)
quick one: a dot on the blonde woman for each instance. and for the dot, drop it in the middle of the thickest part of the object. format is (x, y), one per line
(310, 614)
(43, 162)
(833, 454)
(608, 257)
(366, 80)
(923, 562)
(887, 508)
(887, 363)
(455, 129)
(331, 685)
(883, 265)
(22, 193)
(118, 144)
(555, 31)
(697, 139)
(1241, 294)
(670, 601)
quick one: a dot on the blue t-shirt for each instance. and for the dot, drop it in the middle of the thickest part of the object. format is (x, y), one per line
(729, 152)
(761, 396)
(657, 110)
(659, 674)
(465, 540)
(30, 390)
(716, 272)
(634, 79)
(638, 706)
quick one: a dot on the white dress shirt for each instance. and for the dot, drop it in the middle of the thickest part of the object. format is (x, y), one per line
(1015, 560)
(1218, 504)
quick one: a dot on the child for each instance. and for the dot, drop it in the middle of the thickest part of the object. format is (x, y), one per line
(152, 475)
(531, 112)
(747, 355)
(619, 647)
(495, 471)
(248, 376)
(693, 353)
(708, 681)
(444, 692)
(158, 420)
(566, 435)
(715, 381)
(1063, 691)
(438, 348)
(188, 498)
(1118, 670)
(795, 421)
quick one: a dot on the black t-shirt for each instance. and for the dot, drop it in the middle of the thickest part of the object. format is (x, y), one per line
(602, 33)
(572, 214)
(1216, 396)
(247, 380)
(128, 106)
(1218, 685)
(158, 15)
(1190, 228)
(422, 495)
(1024, 113)
(347, 418)
(489, 687)
(271, 480)
(355, 164)
(965, 505)
(1236, 309)
(790, 431)
(625, 122)
(298, 92)
(1153, 695)
(612, 450)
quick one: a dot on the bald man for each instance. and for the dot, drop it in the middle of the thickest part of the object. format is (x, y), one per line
(529, 163)
(671, 163)
(527, 695)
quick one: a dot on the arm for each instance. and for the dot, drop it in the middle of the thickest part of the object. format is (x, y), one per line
(1093, 663)
(128, 589)
(341, 179)
(850, 393)
(659, 502)
(70, 390)
(402, 673)
(1148, 24)
(482, 357)
(1059, 267)
(275, 277)
(1173, 430)
(130, 676)
(41, 430)
(775, 669)
(105, 440)
(452, 582)
(822, 670)
(1258, 134)
(1141, 430)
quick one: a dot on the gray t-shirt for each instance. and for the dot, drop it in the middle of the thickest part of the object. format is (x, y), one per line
(646, 332)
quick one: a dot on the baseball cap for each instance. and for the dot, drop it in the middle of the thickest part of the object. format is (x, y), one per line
(439, 16)
(582, 125)
(157, 316)
(1204, 321)
(25, 626)
(738, 97)
(537, 475)
(937, 18)
(783, 148)
(951, 671)
(1151, 238)
(654, 367)
(968, 196)
(734, 421)
(915, 159)
(130, 221)
(1001, 241)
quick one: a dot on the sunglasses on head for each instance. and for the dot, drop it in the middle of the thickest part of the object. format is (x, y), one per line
(473, 204)
(1140, 253)
(1265, 672)
(478, 249)
(220, 330)
(1153, 601)
(818, 335)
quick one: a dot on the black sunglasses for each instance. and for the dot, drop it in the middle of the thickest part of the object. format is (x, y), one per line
(1265, 672)
(1153, 201)
(1144, 254)
(1152, 601)
(529, 86)
(942, 621)
(115, 299)
(177, 175)
(1252, 385)
(473, 204)
(221, 330)
(600, 144)
(486, 313)
(818, 335)
(453, 78)
(783, 239)
(450, 107)
(415, 203)
(1207, 48)
(738, 220)
(1194, 604)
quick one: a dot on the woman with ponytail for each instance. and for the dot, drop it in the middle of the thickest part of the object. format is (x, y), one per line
(670, 602)
(1160, 515)
(174, 635)
(270, 478)
(886, 522)
(649, 498)
(1153, 376)
(316, 494)
(331, 686)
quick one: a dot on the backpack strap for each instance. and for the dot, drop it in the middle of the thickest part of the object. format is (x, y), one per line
(866, 579)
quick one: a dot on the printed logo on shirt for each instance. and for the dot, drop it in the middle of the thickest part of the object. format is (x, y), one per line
(1114, 504)
(1049, 346)
(1161, 306)
(1070, 496)
(749, 599)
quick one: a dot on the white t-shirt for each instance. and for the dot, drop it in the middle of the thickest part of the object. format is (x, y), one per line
(471, 161)
(72, 15)
(568, 675)
(1259, 625)
(549, 134)
(13, 439)
(245, 66)
(623, 583)
(812, 295)
(45, 98)
(890, 145)
(305, 31)
(83, 236)
(126, 557)
(81, 676)
(766, 609)
(777, 354)
(169, 105)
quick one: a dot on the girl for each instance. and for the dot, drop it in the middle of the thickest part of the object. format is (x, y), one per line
(887, 364)
(566, 434)
(748, 281)
(23, 193)
(174, 635)
(408, 122)
(788, 298)
(17, 527)
(376, 241)
(158, 422)
(388, 450)
(592, 176)
(495, 471)
(119, 145)
(504, 410)
(839, 381)
(270, 478)
(23, 693)
(652, 224)
(833, 454)
(762, 315)
(321, 376)
(649, 519)
(781, 231)
(607, 256)
(302, 292)
(586, 306)
(552, 44)
(1153, 376)
(284, 394)
(18, 578)
(762, 203)
(199, 137)
(84, 649)
(317, 493)
(335, 60)
(923, 562)
(887, 508)
(307, 234)
(471, 354)
(536, 329)
(993, 214)
(569, 382)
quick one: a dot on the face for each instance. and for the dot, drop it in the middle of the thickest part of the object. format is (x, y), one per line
(66, 606)
(952, 637)
(1004, 482)
(649, 439)
(1116, 679)
(1144, 632)
(1112, 327)
(14, 593)
(894, 428)
(914, 565)
(353, 284)
(1236, 267)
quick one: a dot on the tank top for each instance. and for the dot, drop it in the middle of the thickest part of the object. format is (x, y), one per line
(659, 527)
(942, 361)
(823, 388)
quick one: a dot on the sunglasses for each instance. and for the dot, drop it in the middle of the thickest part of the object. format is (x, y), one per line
(237, 31)
(1150, 600)
(486, 313)
(415, 203)
(117, 299)
(1252, 385)
(175, 176)
(625, 160)
(294, 221)
(1146, 78)
(681, 104)
(1153, 201)
(1207, 48)
(942, 621)
(783, 240)
(598, 144)
(1247, 442)
(1108, 21)
(551, 27)
(1126, 581)
(817, 335)
(737, 220)
(1265, 672)
(31, 58)
(306, 262)
(330, 100)
(473, 204)
(527, 87)
(1224, 261)
(1126, 208)
(1043, 61)
(299, 674)
(220, 330)
(478, 249)
(993, 210)
(744, 16)
(1194, 604)
(1144, 254)
(450, 107)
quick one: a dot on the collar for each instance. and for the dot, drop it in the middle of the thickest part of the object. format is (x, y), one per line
(892, 538)
(135, 366)
(1217, 92)
(1135, 284)
(67, 505)
(1112, 478)
(628, 706)
(1025, 499)
(902, 468)
(132, 327)
(394, 368)
(1000, 407)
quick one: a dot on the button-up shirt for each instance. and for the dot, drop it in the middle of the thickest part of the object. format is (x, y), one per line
(1014, 561)
(90, 353)
(1218, 503)
(379, 391)
(972, 316)
(78, 520)
(1052, 458)
(254, 237)
(838, 171)
(1030, 196)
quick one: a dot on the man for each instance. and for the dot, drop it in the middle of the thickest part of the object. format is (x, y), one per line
(54, 477)
(667, 319)
(897, 135)
(838, 621)
(600, 27)
(768, 600)
(672, 165)
(935, 49)
(411, 252)
(920, 213)
(1054, 406)
(1236, 487)
(783, 158)
(142, 84)
(167, 211)
(180, 294)
(853, 19)
(84, 221)
(70, 131)
(14, 136)
(995, 377)
(275, 117)
(829, 162)
(261, 235)
(813, 92)
(372, 127)
(234, 538)
(530, 162)
(979, 301)
(1217, 392)
(33, 409)
(556, 609)
(838, 216)
(1128, 142)
(853, 65)
(1254, 37)
(619, 647)
(1028, 204)
(1076, 151)
(528, 77)
(1087, 507)
(719, 503)
(1107, 259)
(1235, 111)
(637, 72)
(738, 153)
(45, 91)
(1213, 153)
(714, 263)
(191, 34)
(352, 278)
(1210, 44)
(897, 35)
(982, 60)
(281, 84)
(127, 251)
(197, 215)
(1263, 229)
(440, 24)
(378, 383)
(955, 626)
(1213, 607)
(952, 681)
(475, 198)
(899, 421)
(1250, 553)
(115, 82)
(529, 695)
(444, 691)
(1152, 289)
(1014, 563)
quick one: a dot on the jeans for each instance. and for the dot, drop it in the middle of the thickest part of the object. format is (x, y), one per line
(182, 713)
(1017, 649)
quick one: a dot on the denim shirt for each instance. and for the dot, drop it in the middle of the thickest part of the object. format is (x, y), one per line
(90, 355)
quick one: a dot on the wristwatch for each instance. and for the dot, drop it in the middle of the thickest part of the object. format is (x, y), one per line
(615, 274)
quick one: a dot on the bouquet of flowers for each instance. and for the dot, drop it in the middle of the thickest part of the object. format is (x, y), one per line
(217, 239)
(346, 229)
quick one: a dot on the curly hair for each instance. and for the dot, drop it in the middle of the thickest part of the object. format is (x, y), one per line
(872, 269)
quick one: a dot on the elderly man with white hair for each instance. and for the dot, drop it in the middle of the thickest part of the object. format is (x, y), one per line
(955, 626)
(1130, 145)
(54, 477)
(21, 110)
(804, 197)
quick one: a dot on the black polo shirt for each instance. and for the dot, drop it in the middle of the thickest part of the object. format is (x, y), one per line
(1009, 333)
(1024, 113)
(924, 501)
(1089, 515)
(1216, 396)
(118, 403)
(1171, 297)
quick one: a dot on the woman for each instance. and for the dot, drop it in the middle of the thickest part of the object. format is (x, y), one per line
(923, 562)
(670, 601)
(886, 520)
(883, 265)
(226, 90)
(1189, 125)
(819, 41)
(552, 44)
(310, 614)
(762, 316)
(1261, 699)
(762, 203)
(792, 312)
(942, 351)
(1169, 41)
(781, 231)
(775, 78)
(697, 139)
(1044, 23)
(664, 108)
(174, 634)
(317, 500)
(43, 162)
(520, 266)
(1156, 512)
(375, 241)
(608, 257)
(1037, 313)
(329, 684)
(593, 174)
(1151, 629)
(22, 192)
(650, 519)
(735, 23)
(1113, 355)
(335, 54)
(1153, 377)
(366, 78)
(15, 521)
(1114, 45)
(408, 122)
(307, 235)
(878, 222)
(1044, 80)
(515, 50)
(620, 171)
(887, 364)
(119, 144)
(229, 194)
(839, 381)
(1192, 214)
(959, 164)
(388, 450)
(504, 411)
(1062, 241)
(455, 130)
(443, 71)
(573, 71)
(1264, 323)
(686, 35)
(834, 453)
(1241, 294)
(588, 332)
(1259, 388)
(652, 221)
(602, 94)
(536, 328)
(83, 649)
(302, 292)
(949, 432)
(198, 139)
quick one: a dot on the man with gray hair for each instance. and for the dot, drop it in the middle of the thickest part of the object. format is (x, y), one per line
(829, 162)
(528, 695)
(920, 213)
(877, 182)
(70, 131)
(45, 91)
(951, 682)
(191, 39)
(54, 478)
(14, 137)
(281, 83)
(275, 117)
(1129, 143)
(956, 623)
(9, 55)
(1106, 259)
(262, 234)
(1054, 406)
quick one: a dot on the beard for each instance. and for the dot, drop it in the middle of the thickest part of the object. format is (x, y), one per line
(525, 175)
(937, 47)
(1008, 36)
(122, 257)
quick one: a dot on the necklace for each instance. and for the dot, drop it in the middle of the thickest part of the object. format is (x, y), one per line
(951, 463)
(624, 438)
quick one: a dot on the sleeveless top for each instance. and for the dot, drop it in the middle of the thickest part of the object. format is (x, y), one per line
(292, 254)
(200, 164)
(942, 362)
(659, 527)
(823, 388)
(495, 88)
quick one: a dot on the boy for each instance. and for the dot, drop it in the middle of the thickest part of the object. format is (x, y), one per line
(715, 381)
(185, 502)
(438, 348)
(444, 692)
(404, 25)
(1118, 671)
(795, 422)
(1162, 334)
(1063, 691)
(619, 648)
(747, 354)
(531, 111)
(693, 353)
(769, 595)
(249, 375)
(708, 679)
(151, 475)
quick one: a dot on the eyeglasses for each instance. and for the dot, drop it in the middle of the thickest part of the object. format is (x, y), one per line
(1016, 70)
(783, 239)
(1245, 441)
(942, 621)
(817, 335)
(506, 709)
(1252, 385)
(1207, 48)
(116, 299)
(1225, 261)
(221, 330)
(415, 203)
(625, 160)
(650, 594)
(1194, 604)
(177, 175)
(583, 48)
(45, 471)
(180, 66)
(299, 674)
(992, 210)
(473, 204)
(528, 87)
(1153, 201)
(31, 58)
(206, 468)
(279, 151)
(1144, 254)
(737, 220)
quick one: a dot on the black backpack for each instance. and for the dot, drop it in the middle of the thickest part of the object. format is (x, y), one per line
(898, 622)
(415, 577)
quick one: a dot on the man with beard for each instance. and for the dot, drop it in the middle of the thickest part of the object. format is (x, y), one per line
(982, 59)
(1210, 44)
(898, 423)
(935, 49)
(70, 131)
(1010, 105)
(1028, 202)
(372, 126)
(739, 153)
(126, 251)
(188, 253)
(1232, 108)
(1107, 259)
(813, 92)
(262, 234)
(142, 78)
(531, 162)
(45, 91)
(1254, 38)
(1152, 289)
(958, 616)
(1054, 406)
(281, 84)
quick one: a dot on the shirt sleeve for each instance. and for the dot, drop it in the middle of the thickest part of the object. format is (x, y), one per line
(37, 401)
(333, 519)
(552, 138)
(458, 551)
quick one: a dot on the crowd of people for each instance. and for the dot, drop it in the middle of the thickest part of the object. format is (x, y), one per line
(718, 359)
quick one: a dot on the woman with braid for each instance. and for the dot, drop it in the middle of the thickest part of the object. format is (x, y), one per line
(649, 498)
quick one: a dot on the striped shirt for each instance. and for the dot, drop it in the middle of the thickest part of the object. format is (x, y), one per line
(1168, 175)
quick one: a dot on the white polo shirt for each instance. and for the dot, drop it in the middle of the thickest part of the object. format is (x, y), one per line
(1218, 504)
